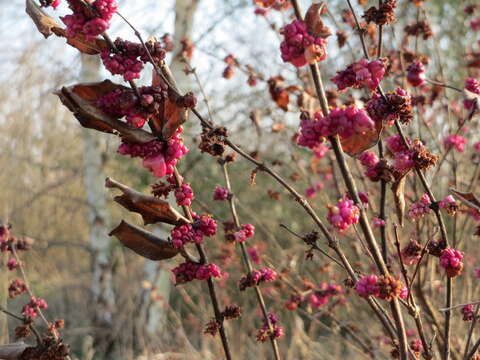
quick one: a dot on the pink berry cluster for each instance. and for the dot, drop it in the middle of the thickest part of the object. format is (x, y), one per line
(312, 191)
(397, 107)
(246, 232)
(299, 47)
(383, 287)
(368, 159)
(189, 271)
(82, 21)
(416, 74)
(184, 195)
(467, 312)
(345, 122)
(403, 157)
(452, 261)
(420, 208)
(472, 85)
(12, 264)
(456, 142)
(256, 277)
(360, 73)
(265, 333)
(221, 193)
(16, 288)
(31, 310)
(129, 57)
(159, 158)
(202, 226)
(124, 103)
(344, 214)
(317, 296)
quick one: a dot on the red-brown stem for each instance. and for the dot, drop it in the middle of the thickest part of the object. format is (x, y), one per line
(246, 258)
(351, 186)
(211, 286)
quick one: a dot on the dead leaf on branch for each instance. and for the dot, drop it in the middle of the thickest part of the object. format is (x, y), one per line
(151, 209)
(171, 115)
(398, 189)
(80, 100)
(47, 26)
(359, 143)
(468, 199)
(143, 242)
(44, 23)
(315, 25)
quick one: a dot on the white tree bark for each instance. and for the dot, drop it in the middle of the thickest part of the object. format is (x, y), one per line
(184, 24)
(98, 216)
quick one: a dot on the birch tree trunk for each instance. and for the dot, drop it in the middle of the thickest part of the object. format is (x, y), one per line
(98, 220)
(184, 25)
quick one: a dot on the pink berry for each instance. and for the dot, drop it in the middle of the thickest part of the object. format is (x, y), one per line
(416, 73)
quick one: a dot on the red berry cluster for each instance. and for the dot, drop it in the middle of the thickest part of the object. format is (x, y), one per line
(344, 214)
(184, 195)
(202, 226)
(256, 277)
(299, 47)
(361, 73)
(265, 332)
(31, 310)
(90, 20)
(159, 158)
(452, 261)
(246, 232)
(383, 287)
(127, 58)
(416, 73)
(345, 122)
(137, 111)
(220, 193)
(189, 271)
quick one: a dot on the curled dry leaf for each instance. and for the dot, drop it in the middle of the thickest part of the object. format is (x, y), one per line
(171, 115)
(143, 242)
(398, 189)
(315, 25)
(47, 26)
(151, 209)
(44, 23)
(80, 100)
(357, 144)
(468, 199)
(12, 351)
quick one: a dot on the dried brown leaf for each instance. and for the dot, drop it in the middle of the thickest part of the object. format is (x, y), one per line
(151, 209)
(44, 23)
(357, 144)
(315, 25)
(143, 242)
(80, 100)
(468, 199)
